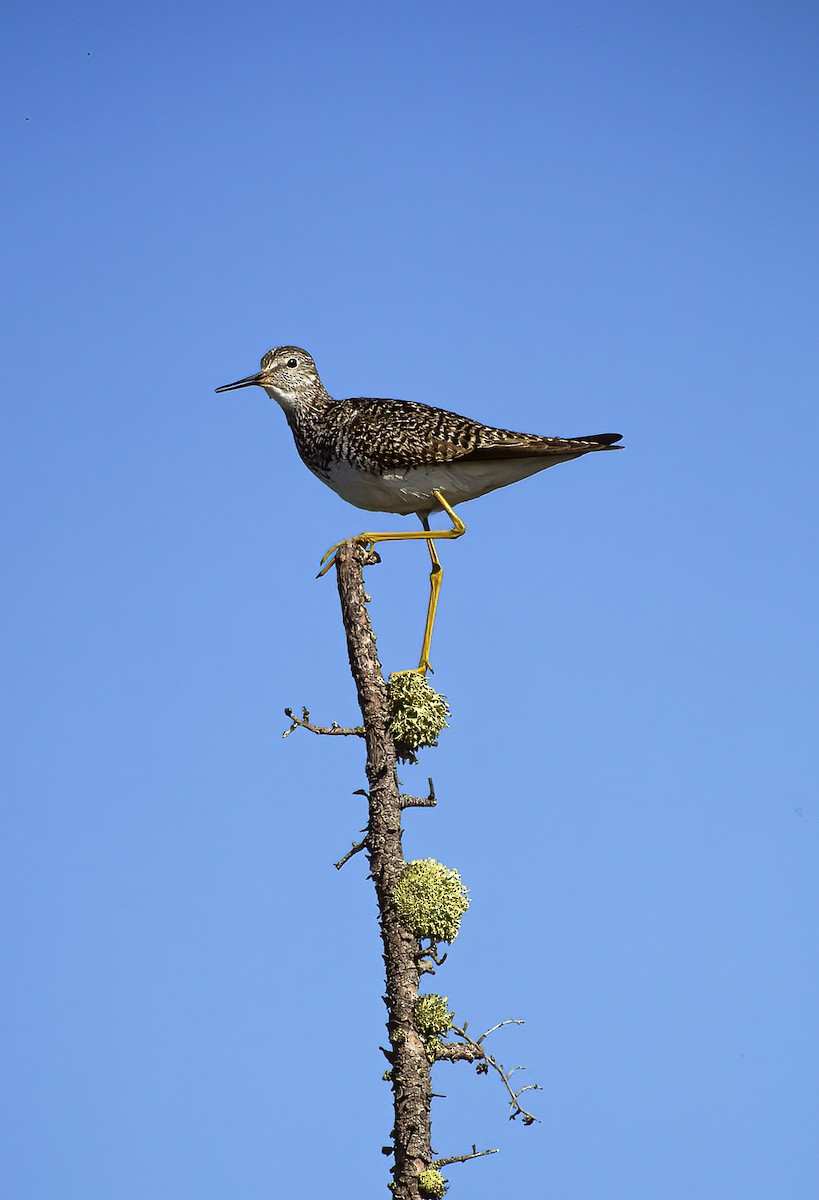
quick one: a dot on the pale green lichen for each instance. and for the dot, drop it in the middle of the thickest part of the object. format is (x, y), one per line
(431, 1015)
(432, 1018)
(430, 900)
(432, 1048)
(431, 1184)
(418, 713)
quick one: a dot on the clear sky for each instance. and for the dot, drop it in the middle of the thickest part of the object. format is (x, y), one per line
(560, 218)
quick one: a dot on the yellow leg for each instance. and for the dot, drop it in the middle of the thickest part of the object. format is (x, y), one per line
(436, 577)
(430, 536)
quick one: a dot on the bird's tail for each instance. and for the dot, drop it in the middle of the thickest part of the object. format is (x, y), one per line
(601, 439)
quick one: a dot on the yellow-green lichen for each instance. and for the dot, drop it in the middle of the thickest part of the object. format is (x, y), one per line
(430, 900)
(418, 713)
(431, 1018)
(432, 1048)
(431, 1015)
(431, 1184)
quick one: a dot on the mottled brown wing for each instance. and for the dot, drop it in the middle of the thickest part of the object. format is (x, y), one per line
(501, 443)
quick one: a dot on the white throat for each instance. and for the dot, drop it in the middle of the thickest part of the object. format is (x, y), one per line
(287, 399)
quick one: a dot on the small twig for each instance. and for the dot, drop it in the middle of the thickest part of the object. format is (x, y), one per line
(500, 1025)
(354, 849)
(446, 1162)
(432, 952)
(420, 801)
(334, 730)
(487, 1061)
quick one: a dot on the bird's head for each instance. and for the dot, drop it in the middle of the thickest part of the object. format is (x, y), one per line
(288, 374)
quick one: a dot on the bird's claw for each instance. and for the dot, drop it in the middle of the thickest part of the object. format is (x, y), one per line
(328, 560)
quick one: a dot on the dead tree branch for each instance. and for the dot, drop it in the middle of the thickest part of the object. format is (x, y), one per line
(428, 801)
(447, 1162)
(408, 955)
(334, 730)
(354, 849)
(473, 1051)
(410, 1073)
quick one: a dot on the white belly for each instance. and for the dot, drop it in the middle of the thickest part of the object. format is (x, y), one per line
(411, 491)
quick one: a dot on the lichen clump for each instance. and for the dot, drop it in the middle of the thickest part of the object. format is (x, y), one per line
(419, 713)
(431, 1015)
(430, 900)
(431, 1184)
(432, 1018)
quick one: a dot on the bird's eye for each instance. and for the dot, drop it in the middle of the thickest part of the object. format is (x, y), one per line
(292, 362)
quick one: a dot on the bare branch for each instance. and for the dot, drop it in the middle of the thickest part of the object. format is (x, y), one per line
(500, 1025)
(432, 952)
(334, 730)
(354, 849)
(485, 1061)
(459, 1158)
(420, 801)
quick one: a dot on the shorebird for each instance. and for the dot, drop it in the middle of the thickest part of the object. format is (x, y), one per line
(397, 456)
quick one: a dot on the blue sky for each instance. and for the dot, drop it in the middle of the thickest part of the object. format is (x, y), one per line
(561, 219)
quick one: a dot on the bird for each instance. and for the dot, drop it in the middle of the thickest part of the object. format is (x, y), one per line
(403, 457)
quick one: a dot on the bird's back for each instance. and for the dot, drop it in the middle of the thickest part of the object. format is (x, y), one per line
(377, 434)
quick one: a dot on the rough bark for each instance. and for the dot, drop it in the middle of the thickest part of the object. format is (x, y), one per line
(410, 1067)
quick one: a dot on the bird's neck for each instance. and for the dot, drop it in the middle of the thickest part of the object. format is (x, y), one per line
(302, 406)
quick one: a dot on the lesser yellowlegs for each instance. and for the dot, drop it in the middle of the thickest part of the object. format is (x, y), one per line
(397, 456)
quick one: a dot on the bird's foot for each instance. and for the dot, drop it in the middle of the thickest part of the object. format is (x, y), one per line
(362, 539)
(423, 667)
